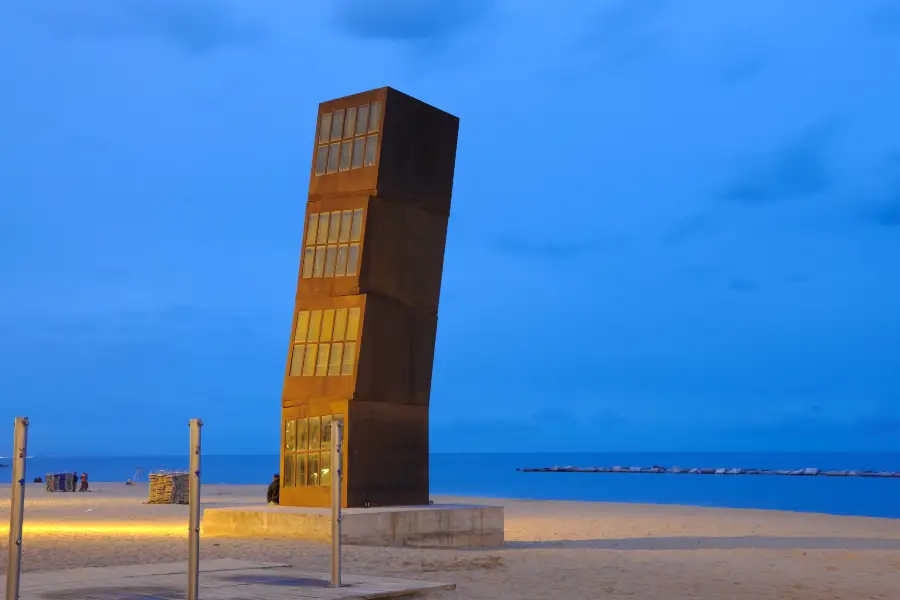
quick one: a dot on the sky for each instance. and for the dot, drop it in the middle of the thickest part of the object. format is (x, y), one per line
(675, 224)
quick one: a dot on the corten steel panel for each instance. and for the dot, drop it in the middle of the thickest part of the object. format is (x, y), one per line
(387, 458)
(354, 180)
(401, 252)
(313, 495)
(406, 198)
(416, 154)
(394, 356)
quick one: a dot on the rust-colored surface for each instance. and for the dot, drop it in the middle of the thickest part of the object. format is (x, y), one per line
(368, 289)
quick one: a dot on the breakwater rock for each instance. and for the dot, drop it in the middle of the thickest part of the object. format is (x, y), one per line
(658, 470)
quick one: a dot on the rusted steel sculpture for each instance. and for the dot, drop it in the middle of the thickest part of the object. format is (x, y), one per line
(365, 316)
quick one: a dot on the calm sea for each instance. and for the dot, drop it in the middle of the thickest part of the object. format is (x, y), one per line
(494, 475)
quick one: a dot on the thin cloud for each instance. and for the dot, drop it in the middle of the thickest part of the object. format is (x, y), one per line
(887, 210)
(698, 225)
(193, 26)
(408, 20)
(799, 170)
(744, 286)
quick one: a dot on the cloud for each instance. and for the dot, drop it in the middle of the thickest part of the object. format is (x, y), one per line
(741, 69)
(692, 227)
(194, 26)
(623, 33)
(885, 18)
(887, 209)
(743, 285)
(799, 170)
(555, 250)
(408, 20)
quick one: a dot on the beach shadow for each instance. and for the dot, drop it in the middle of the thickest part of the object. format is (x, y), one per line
(717, 543)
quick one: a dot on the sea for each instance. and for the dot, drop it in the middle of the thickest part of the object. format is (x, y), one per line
(496, 476)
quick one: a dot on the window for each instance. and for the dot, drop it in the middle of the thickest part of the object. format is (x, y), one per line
(332, 244)
(307, 452)
(325, 343)
(348, 139)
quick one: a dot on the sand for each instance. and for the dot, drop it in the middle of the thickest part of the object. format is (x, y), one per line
(554, 550)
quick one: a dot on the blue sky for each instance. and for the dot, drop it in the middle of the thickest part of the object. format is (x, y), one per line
(675, 225)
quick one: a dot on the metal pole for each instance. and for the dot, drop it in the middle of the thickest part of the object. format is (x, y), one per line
(194, 513)
(17, 508)
(337, 472)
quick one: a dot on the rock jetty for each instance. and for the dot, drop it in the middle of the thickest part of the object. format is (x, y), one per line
(808, 472)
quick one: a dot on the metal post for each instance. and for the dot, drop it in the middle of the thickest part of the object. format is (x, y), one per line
(17, 508)
(337, 472)
(194, 513)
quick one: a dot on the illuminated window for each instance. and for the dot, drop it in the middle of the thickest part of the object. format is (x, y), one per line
(348, 139)
(307, 453)
(325, 343)
(331, 247)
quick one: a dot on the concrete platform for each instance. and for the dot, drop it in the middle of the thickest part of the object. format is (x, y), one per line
(222, 579)
(432, 526)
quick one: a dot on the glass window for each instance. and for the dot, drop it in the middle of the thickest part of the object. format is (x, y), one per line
(319, 262)
(337, 125)
(359, 153)
(290, 435)
(322, 159)
(315, 437)
(371, 146)
(322, 229)
(312, 469)
(302, 326)
(311, 226)
(309, 360)
(326, 432)
(374, 117)
(315, 326)
(334, 363)
(344, 234)
(288, 477)
(340, 268)
(356, 225)
(300, 470)
(353, 323)
(302, 434)
(322, 361)
(325, 469)
(348, 358)
(308, 260)
(324, 128)
(334, 151)
(297, 360)
(346, 148)
(362, 120)
(340, 324)
(327, 325)
(334, 225)
(330, 255)
(352, 259)
(350, 122)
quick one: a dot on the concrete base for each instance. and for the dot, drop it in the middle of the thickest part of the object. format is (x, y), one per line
(432, 526)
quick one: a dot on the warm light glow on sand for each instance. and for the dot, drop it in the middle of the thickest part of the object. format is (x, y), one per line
(101, 528)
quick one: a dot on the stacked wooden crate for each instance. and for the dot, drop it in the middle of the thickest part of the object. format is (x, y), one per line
(169, 488)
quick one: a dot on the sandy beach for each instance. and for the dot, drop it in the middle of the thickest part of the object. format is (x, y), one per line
(558, 550)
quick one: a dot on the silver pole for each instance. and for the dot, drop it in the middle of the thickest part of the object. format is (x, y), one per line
(17, 508)
(194, 513)
(337, 472)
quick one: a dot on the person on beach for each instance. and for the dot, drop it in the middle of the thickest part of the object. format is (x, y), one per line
(274, 491)
(84, 483)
